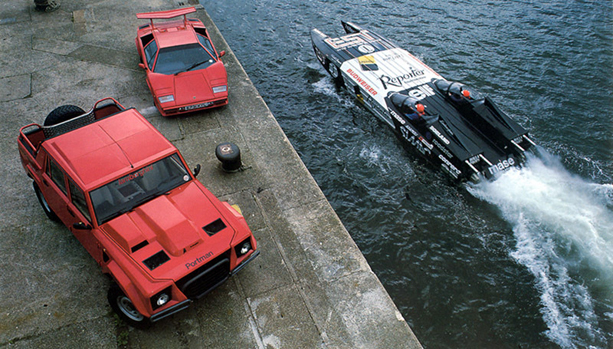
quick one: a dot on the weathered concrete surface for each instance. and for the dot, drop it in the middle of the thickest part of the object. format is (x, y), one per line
(310, 287)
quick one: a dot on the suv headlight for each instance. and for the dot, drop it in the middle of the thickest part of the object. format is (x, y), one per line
(161, 298)
(243, 248)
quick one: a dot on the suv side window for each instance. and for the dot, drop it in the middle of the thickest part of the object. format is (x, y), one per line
(78, 199)
(57, 175)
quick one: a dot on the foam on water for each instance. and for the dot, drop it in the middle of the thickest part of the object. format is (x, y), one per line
(563, 226)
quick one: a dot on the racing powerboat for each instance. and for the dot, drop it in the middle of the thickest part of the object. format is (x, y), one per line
(453, 125)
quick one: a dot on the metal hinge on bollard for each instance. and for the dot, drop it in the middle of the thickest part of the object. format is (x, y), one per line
(46, 5)
(230, 156)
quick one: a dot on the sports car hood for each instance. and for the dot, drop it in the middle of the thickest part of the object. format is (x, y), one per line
(189, 87)
(192, 88)
(175, 223)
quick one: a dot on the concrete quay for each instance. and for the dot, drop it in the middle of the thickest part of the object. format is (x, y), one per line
(310, 287)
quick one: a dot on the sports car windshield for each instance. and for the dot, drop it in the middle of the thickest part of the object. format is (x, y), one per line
(177, 59)
(128, 192)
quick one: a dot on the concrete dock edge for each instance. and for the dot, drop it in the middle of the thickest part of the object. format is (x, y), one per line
(311, 286)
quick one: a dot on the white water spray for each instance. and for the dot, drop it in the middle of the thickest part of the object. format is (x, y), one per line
(563, 227)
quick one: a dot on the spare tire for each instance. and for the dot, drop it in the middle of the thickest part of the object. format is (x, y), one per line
(63, 113)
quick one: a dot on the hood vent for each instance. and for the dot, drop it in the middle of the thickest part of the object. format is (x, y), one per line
(156, 260)
(214, 227)
(139, 246)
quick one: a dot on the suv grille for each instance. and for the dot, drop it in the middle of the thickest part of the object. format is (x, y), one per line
(206, 278)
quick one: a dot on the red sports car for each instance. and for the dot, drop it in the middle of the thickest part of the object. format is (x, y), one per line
(184, 71)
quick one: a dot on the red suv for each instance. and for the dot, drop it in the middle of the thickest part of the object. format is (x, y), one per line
(127, 195)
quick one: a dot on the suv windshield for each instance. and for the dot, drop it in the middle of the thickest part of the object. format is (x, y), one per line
(126, 193)
(173, 60)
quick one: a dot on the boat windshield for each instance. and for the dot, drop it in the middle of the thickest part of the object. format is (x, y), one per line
(128, 192)
(177, 59)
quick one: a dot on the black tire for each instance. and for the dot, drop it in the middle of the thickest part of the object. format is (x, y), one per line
(43, 203)
(122, 305)
(63, 113)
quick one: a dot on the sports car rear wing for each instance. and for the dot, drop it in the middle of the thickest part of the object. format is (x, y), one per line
(166, 14)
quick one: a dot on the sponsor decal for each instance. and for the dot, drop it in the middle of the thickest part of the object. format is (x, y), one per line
(366, 49)
(439, 134)
(198, 260)
(399, 80)
(421, 92)
(415, 140)
(445, 127)
(391, 57)
(442, 148)
(320, 56)
(368, 63)
(501, 165)
(397, 117)
(425, 142)
(351, 40)
(448, 166)
(133, 176)
(361, 82)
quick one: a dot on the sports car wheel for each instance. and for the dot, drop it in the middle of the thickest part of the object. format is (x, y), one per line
(43, 203)
(62, 113)
(123, 306)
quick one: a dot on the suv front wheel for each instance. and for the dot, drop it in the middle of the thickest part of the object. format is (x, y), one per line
(123, 306)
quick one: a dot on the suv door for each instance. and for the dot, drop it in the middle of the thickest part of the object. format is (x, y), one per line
(54, 190)
(81, 225)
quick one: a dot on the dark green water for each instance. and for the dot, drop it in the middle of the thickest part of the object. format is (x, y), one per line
(526, 261)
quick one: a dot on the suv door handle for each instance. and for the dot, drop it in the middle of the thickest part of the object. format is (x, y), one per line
(70, 211)
(45, 182)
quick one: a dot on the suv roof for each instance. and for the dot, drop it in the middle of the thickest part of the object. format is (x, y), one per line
(99, 152)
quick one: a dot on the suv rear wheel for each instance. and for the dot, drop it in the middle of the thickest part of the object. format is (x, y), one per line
(123, 306)
(62, 113)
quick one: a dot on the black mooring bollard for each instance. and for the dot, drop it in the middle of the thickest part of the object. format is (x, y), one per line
(229, 155)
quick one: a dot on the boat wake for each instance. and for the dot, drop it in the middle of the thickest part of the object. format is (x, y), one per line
(563, 228)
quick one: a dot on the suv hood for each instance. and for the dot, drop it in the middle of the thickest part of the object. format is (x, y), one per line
(174, 224)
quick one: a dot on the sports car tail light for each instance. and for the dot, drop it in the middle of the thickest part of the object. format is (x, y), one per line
(166, 99)
(219, 89)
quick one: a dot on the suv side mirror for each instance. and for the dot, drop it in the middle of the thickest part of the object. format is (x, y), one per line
(222, 53)
(81, 226)
(142, 65)
(197, 170)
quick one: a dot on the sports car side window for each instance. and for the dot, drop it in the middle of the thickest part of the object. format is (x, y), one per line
(78, 199)
(150, 51)
(207, 44)
(57, 175)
